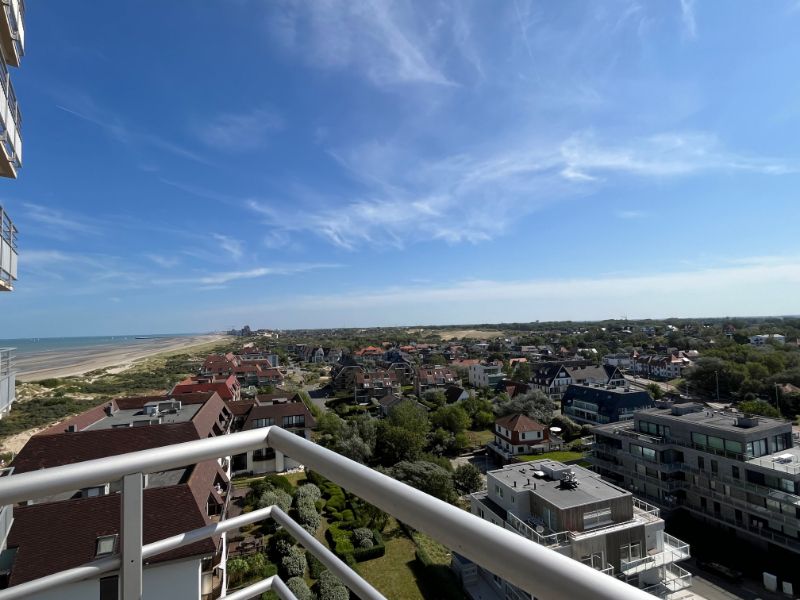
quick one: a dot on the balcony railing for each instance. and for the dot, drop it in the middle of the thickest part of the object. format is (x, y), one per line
(10, 123)
(7, 380)
(8, 251)
(523, 563)
(673, 550)
(12, 30)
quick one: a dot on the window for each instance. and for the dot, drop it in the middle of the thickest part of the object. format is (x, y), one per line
(631, 551)
(597, 518)
(264, 454)
(712, 484)
(701, 463)
(716, 443)
(106, 545)
(714, 467)
(646, 453)
(779, 442)
(732, 446)
(700, 439)
(757, 448)
(109, 588)
(263, 423)
(787, 485)
(735, 472)
(703, 503)
(498, 490)
(294, 421)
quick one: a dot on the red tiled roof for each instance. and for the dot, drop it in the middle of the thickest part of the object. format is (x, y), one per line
(519, 423)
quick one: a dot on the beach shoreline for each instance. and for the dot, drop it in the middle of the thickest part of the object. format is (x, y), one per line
(68, 363)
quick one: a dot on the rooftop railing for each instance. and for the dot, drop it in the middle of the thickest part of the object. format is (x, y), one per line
(523, 563)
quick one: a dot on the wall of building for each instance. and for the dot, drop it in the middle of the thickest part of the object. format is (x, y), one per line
(170, 581)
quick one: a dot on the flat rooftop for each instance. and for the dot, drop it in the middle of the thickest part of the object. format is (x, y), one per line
(785, 461)
(590, 487)
(721, 420)
(124, 418)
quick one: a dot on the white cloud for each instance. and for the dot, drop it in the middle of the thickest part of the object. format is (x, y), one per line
(232, 246)
(239, 131)
(380, 39)
(631, 214)
(166, 262)
(476, 197)
(216, 280)
(687, 16)
(720, 289)
(54, 223)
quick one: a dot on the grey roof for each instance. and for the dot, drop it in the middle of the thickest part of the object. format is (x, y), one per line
(125, 417)
(721, 420)
(590, 489)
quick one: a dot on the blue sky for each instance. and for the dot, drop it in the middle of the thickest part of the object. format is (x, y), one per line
(191, 166)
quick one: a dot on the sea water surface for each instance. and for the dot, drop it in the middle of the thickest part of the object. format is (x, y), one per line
(25, 347)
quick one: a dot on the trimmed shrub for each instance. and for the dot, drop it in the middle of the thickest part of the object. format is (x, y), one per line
(309, 491)
(330, 588)
(315, 567)
(315, 478)
(361, 536)
(307, 514)
(299, 588)
(294, 563)
(279, 482)
(277, 498)
(279, 544)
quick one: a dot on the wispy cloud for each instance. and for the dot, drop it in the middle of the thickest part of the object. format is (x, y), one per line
(166, 262)
(384, 41)
(239, 131)
(630, 214)
(232, 246)
(476, 197)
(84, 108)
(56, 224)
(220, 279)
(692, 292)
(688, 18)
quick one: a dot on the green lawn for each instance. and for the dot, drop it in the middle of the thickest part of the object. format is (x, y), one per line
(561, 456)
(479, 438)
(392, 574)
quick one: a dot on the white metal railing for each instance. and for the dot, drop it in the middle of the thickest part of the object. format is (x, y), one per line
(7, 380)
(8, 249)
(521, 562)
(673, 550)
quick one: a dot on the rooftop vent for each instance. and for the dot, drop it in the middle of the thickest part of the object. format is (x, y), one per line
(746, 421)
(784, 458)
(110, 409)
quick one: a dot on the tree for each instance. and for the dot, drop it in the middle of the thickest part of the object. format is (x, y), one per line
(467, 478)
(479, 411)
(403, 434)
(535, 405)
(237, 569)
(452, 418)
(655, 390)
(522, 372)
(426, 477)
(758, 407)
(436, 397)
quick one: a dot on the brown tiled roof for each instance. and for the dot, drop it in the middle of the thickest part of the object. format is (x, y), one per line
(55, 536)
(519, 423)
(44, 451)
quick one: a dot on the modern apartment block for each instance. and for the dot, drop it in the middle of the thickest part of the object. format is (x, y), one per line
(8, 275)
(576, 513)
(594, 404)
(12, 47)
(485, 376)
(734, 470)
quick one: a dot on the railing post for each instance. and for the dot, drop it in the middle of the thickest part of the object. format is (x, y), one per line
(132, 513)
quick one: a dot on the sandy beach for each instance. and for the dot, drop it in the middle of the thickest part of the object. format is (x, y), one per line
(66, 363)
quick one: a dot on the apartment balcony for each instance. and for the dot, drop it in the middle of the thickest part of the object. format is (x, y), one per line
(6, 515)
(673, 579)
(12, 31)
(8, 252)
(673, 550)
(7, 381)
(10, 125)
(527, 565)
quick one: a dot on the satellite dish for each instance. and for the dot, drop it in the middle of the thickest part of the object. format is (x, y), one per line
(555, 429)
(539, 529)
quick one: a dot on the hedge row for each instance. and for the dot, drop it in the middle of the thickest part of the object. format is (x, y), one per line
(340, 540)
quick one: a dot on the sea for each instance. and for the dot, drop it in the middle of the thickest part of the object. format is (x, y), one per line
(33, 346)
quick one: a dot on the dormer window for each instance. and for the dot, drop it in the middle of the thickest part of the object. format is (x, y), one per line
(106, 544)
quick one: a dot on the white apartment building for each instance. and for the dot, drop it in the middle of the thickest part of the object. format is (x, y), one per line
(761, 340)
(485, 376)
(576, 513)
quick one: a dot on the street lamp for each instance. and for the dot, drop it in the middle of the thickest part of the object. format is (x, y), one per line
(716, 377)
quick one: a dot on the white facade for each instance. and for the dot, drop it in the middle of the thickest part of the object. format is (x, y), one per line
(7, 381)
(167, 581)
(484, 376)
(761, 340)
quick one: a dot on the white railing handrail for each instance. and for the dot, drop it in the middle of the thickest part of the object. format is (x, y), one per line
(523, 563)
(101, 566)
